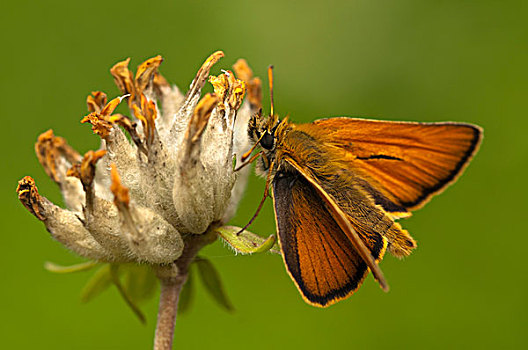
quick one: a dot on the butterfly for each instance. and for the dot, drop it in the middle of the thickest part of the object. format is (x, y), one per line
(339, 185)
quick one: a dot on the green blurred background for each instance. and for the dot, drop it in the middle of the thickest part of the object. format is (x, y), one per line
(464, 287)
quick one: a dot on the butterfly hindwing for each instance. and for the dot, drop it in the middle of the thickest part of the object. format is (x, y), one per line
(318, 255)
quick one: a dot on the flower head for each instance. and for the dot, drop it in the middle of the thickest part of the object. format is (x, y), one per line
(137, 198)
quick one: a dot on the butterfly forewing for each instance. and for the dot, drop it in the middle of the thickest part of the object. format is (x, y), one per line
(403, 163)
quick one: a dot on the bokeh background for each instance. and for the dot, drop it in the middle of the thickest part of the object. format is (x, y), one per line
(464, 287)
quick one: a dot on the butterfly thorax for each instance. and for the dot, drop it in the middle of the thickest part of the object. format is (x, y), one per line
(308, 152)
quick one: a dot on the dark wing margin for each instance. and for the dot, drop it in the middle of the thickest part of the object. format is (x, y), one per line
(318, 255)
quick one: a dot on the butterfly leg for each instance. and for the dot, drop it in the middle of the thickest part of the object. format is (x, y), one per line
(266, 194)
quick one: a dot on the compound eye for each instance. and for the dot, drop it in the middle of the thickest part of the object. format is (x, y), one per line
(267, 141)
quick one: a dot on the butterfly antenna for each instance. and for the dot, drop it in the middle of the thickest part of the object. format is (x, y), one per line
(261, 204)
(270, 79)
(272, 109)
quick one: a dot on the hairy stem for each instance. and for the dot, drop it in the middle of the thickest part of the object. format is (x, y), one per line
(168, 308)
(172, 278)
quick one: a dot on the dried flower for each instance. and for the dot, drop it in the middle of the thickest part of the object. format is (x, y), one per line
(135, 201)
(159, 195)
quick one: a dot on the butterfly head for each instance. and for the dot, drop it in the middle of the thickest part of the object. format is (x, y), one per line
(262, 130)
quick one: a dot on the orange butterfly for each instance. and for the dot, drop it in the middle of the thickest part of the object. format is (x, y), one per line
(338, 185)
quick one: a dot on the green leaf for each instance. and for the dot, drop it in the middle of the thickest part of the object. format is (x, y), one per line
(234, 161)
(114, 272)
(52, 267)
(212, 283)
(187, 293)
(140, 282)
(247, 242)
(100, 281)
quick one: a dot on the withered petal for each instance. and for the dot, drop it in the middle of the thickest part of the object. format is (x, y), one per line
(229, 90)
(30, 198)
(220, 85)
(242, 70)
(201, 77)
(121, 193)
(124, 79)
(85, 171)
(49, 149)
(100, 126)
(253, 85)
(110, 107)
(96, 101)
(160, 83)
(238, 90)
(146, 72)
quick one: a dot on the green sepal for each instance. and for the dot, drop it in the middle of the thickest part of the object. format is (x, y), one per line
(55, 268)
(114, 273)
(211, 280)
(140, 282)
(247, 242)
(99, 282)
